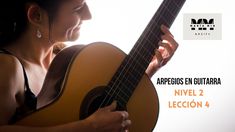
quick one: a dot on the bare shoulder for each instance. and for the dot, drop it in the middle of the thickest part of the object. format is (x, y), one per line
(11, 85)
(10, 68)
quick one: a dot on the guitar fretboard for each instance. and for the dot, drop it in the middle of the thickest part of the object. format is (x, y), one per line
(128, 75)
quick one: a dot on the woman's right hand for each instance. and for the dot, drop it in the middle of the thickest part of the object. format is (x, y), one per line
(108, 120)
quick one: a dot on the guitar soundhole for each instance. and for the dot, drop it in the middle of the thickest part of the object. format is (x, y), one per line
(92, 102)
(95, 99)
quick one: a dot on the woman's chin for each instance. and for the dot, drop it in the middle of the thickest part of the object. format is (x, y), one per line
(74, 37)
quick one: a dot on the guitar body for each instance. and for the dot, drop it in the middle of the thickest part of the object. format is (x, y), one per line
(89, 69)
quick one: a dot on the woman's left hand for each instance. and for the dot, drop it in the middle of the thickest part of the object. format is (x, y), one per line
(163, 54)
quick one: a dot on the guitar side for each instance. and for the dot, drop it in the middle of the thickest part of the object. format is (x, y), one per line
(92, 67)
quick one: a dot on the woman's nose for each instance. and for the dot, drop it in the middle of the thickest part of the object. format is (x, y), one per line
(86, 14)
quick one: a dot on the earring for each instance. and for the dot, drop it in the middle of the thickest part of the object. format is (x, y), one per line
(39, 35)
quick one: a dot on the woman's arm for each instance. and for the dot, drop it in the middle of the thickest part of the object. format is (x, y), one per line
(11, 85)
(104, 120)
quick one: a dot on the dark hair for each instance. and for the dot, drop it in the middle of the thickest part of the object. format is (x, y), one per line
(13, 17)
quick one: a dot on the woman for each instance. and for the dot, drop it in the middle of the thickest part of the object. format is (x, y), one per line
(29, 31)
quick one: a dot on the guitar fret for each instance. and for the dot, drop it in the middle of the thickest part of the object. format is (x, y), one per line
(140, 58)
(120, 91)
(179, 4)
(170, 10)
(130, 83)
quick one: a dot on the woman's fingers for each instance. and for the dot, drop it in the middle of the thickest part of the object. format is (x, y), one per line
(167, 48)
(170, 41)
(111, 107)
(126, 124)
(166, 30)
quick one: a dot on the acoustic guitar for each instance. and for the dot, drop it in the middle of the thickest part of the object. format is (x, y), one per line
(82, 79)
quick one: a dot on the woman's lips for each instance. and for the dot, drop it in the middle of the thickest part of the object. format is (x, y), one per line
(77, 27)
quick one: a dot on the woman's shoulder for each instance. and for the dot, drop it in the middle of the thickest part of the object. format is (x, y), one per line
(11, 86)
(11, 72)
(9, 62)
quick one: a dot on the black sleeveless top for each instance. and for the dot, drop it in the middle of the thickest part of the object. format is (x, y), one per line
(30, 100)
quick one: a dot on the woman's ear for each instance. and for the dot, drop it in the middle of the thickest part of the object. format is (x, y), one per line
(35, 15)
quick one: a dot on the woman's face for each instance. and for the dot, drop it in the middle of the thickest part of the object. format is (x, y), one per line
(67, 22)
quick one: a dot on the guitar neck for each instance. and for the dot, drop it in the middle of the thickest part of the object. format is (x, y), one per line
(144, 48)
(128, 75)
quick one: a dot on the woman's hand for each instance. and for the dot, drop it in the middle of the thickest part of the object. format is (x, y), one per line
(163, 54)
(108, 120)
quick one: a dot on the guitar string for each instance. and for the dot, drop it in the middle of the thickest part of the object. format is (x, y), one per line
(133, 61)
(120, 90)
(146, 52)
(126, 87)
(123, 92)
(117, 95)
(127, 62)
(138, 73)
(142, 56)
(119, 75)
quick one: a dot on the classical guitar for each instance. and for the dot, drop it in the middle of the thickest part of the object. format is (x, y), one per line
(82, 79)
